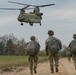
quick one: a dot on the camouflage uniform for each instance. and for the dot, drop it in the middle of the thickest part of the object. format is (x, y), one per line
(73, 55)
(74, 59)
(54, 59)
(69, 56)
(33, 59)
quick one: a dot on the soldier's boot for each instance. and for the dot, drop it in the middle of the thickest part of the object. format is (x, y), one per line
(52, 71)
(75, 67)
(35, 71)
(52, 68)
(31, 69)
(56, 69)
(75, 63)
(69, 59)
(31, 72)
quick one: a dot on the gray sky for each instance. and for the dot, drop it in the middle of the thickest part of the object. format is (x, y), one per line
(61, 18)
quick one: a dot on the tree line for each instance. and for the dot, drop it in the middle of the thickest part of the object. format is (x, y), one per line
(11, 45)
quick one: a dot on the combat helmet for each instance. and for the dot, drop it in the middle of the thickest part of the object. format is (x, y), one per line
(32, 38)
(50, 32)
(74, 35)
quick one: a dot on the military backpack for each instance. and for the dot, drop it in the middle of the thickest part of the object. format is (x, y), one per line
(54, 45)
(73, 47)
(32, 48)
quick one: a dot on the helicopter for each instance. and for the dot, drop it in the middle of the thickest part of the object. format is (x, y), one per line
(31, 17)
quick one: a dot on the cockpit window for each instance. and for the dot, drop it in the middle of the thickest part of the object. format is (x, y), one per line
(20, 15)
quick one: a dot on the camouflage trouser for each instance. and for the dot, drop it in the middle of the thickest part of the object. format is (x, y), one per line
(33, 60)
(69, 57)
(74, 59)
(53, 60)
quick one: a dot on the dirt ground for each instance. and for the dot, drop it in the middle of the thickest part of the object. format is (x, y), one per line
(65, 68)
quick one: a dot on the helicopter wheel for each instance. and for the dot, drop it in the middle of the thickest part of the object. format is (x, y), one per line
(31, 24)
(21, 23)
(40, 24)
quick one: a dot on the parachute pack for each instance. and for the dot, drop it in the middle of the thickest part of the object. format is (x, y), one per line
(32, 48)
(54, 45)
(73, 47)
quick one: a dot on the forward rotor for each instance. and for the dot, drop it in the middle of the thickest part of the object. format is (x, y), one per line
(26, 6)
(15, 8)
(31, 5)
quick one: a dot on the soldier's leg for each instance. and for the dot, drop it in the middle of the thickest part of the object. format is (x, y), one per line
(69, 59)
(56, 62)
(51, 64)
(69, 56)
(75, 63)
(74, 59)
(31, 64)
(35, 63)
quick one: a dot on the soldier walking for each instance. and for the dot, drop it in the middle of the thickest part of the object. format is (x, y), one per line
(32, 49)
(52, 47)
(72, 46)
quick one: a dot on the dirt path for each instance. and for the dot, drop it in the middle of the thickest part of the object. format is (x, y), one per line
(65, 68)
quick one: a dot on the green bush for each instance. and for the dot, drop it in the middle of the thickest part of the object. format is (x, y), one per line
(42, 53)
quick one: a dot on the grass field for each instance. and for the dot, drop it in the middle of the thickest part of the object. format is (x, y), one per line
(10, 61)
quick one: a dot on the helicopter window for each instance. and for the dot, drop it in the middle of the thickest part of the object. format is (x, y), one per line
(20, 15)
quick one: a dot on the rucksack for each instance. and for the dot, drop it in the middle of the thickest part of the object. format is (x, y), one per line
(54, 45)
(73, 47)
(32, 48)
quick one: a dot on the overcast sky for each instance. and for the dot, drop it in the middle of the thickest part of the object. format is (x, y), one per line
(61, 18)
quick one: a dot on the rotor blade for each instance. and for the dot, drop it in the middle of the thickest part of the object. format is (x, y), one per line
(29, 8)
(25, 7)
(17, 3)
(46, 5)
(20, 3)
(31, 5)
(9, 9)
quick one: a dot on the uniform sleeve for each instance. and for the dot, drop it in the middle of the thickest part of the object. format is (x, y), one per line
(39, 46)
(46, 47)
(60, 44)
(70, 44)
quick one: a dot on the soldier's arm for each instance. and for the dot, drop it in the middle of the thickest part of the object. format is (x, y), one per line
(60, 44)
(69, 46)
(70, 55)
(37, 46)
(46, 47)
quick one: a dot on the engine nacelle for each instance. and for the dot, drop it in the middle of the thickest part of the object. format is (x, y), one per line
(40, 14)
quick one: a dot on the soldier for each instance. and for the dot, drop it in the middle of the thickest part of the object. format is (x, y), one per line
(72, 46)
(69, 54)
(33, 59)
(50, 49)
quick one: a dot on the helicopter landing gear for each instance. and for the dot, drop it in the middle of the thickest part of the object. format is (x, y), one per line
(31, 24)
(40, 23)
(21, 23)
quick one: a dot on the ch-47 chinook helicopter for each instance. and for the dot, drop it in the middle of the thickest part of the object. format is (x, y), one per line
(32, 17)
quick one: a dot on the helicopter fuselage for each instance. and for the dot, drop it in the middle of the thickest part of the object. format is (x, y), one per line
(29, 18)
(32, 17)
